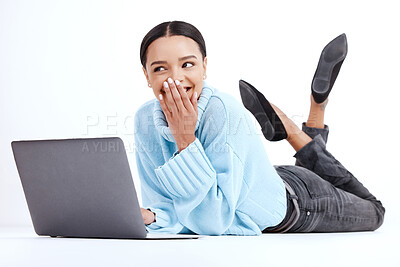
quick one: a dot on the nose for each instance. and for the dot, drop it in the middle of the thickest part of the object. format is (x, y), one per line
(177, 74)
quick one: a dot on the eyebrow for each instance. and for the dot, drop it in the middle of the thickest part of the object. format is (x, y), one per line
(180, 59)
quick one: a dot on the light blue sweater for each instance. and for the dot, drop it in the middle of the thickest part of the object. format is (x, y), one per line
(222, 183)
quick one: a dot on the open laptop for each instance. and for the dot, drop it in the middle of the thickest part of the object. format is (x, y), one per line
(81, 188)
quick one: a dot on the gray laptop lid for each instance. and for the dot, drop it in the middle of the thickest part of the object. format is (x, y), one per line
(79, 187)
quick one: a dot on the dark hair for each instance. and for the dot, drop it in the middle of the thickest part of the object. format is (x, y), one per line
(171, 28)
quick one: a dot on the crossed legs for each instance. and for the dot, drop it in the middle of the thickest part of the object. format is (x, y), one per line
(296, 137)
(348, 205)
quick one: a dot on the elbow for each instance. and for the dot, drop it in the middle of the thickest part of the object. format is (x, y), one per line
(212, 224)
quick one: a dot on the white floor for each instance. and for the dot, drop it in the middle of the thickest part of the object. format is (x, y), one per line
(22, 247)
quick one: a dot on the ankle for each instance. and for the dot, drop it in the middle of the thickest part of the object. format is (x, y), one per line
(318, 107)
(317, 114)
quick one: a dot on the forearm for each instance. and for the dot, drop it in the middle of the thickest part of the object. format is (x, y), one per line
(201, 194)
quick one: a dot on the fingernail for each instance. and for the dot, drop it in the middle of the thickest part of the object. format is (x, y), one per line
(170, 80)
(165, 84)
(177, 82)
(160, 96)
(195, 95)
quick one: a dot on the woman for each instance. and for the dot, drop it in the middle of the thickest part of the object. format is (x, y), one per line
(203, 167)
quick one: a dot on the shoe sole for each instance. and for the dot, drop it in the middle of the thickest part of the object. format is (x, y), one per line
(330, 58)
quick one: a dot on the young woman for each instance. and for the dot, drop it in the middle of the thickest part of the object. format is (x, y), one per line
(203, 167)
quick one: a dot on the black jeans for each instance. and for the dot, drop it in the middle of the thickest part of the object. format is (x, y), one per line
(330, 198)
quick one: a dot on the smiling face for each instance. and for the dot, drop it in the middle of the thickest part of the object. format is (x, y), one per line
(176, 57)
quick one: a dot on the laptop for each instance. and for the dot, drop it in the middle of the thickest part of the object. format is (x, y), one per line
(81, 188)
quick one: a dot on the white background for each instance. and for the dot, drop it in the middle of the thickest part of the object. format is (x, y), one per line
(71, 69)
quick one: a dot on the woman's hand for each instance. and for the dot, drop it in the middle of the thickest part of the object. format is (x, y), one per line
(180, 112)
(148, 216)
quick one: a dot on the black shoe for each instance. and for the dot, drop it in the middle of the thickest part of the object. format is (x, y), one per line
(328, 68)
(271, 125)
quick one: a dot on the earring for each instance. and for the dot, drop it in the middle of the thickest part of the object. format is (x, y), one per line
(204, 77)
(149, 84)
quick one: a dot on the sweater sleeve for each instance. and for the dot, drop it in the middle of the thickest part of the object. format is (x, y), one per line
(154, 199)
(204, 186)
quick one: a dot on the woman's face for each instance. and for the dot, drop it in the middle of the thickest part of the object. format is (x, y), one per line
(176, 57)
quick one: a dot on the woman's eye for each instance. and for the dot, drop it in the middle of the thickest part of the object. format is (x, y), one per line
(187, 65)
(159, 69)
